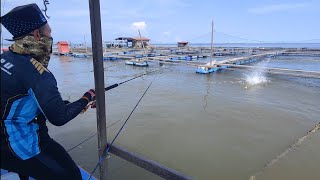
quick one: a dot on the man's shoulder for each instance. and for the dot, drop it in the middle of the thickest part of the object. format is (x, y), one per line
(9, 55)
(36, 65)
(13, 64)
(24, 65)
(18, 60)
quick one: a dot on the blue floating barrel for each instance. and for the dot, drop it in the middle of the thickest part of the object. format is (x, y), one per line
(188, 58)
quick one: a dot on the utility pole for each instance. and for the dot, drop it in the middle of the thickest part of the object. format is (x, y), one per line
(141, 42)
(211, 40)
(85, 44)
(97, 54)
(211, 49)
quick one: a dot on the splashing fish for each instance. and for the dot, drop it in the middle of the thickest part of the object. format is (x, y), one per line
(257, 75)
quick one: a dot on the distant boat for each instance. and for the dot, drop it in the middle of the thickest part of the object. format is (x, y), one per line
(194, 57)
(206, 70)
(79, 55)
(137, 63)
(110, 58)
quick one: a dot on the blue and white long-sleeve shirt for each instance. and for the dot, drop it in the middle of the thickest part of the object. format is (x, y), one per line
(29, 90)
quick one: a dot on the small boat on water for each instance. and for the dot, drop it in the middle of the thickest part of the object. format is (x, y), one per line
(206, 70)
(5, 175)
(142, 64)
(137, 63)
(129, 62)
(79, 55)
(110, 58)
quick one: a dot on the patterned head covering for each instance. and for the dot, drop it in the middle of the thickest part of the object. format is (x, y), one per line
(22, 20)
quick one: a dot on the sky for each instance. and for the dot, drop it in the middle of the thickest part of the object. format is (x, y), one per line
(169, 21)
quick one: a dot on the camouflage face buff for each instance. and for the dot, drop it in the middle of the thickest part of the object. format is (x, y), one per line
(39, 50)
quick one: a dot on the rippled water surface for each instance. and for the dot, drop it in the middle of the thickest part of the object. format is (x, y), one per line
(211, 126)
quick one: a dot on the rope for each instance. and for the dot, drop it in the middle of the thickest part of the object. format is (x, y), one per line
(82, 142)
(90, 137)
(110, 145)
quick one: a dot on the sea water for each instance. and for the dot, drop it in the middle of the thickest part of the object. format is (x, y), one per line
(206, 126)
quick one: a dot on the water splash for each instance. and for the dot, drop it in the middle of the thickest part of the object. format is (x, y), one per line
(257, 75)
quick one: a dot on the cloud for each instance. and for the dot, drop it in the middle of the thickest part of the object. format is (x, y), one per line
(277, 8)
(167, 33)
(139, 25)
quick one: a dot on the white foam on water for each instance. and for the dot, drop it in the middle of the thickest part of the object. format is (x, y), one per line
(257, 75)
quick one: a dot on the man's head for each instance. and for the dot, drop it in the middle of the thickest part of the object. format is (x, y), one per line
(31, 32)
(44, 30)
(26, 19)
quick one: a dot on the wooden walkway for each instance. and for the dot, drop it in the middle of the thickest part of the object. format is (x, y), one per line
(280, 71)
(237, 62)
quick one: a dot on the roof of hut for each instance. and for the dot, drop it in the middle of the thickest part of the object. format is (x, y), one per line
(183, 42)
(63, 42)
(123, 38)
(133, 39)
(141, 39)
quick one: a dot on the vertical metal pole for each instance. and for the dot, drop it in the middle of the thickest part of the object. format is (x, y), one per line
(211, 49)
(1, 33)
(97, 53)
(85, 43)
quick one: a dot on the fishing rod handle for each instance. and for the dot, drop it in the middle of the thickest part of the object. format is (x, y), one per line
(111, 87)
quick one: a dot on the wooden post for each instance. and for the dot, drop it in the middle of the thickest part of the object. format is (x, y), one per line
(85, 44)
(97, 54)
(142, 42)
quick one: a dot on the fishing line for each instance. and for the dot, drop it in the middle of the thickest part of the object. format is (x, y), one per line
(296, 144)
(107, 89)
(90, 137)
(110, 145)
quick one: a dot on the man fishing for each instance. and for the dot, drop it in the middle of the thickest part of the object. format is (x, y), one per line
(29, 97)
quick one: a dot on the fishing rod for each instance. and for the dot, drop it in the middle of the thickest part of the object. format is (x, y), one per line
(118, 84)
(113, 140)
